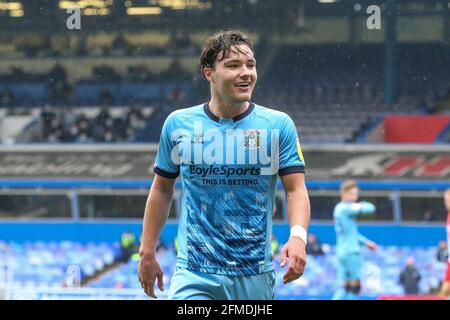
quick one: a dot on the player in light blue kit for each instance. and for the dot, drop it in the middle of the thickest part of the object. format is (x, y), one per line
(348, 239)
(229, 153)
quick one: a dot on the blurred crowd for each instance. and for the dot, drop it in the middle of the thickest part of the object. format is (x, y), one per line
(66, 125)
(60, 91)
(44, 46)
(102, 72)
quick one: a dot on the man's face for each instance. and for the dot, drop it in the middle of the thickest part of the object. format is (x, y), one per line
(447, 201)
(233, 78)
(351, 195)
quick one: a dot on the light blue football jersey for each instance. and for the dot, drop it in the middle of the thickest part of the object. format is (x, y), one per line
(345, 221)
(229, 171)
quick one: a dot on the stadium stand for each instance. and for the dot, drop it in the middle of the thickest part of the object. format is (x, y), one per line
(333, 93)
(380, 273)
(41, 265)
(34, 265)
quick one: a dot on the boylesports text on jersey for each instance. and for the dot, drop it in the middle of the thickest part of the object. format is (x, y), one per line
(222, 171)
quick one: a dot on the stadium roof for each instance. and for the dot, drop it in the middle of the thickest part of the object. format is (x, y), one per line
(189, 15)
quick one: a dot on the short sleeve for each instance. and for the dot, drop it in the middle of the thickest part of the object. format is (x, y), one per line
(291, 156)
(165, 165)
(361, 207)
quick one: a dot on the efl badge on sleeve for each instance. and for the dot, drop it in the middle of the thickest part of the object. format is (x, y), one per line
(252, 139)
(299, 150)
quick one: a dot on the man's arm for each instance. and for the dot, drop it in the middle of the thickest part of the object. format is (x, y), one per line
(362, 207)
(370, 244)
(362, 239)
(298, 210)
(155, 216)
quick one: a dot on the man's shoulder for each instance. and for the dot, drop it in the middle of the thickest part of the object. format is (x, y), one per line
(271, 112)
(341, 207)
(276, 117)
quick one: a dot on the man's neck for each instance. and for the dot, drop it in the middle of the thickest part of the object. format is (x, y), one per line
(227, 110)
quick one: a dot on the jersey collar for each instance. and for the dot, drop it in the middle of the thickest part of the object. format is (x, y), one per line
(241, 116)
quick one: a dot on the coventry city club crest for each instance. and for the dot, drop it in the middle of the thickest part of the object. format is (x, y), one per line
(198, 138)
(252, 139)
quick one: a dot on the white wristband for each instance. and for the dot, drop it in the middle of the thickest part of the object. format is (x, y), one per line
(299, 231)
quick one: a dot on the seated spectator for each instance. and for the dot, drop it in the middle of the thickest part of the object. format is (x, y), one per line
(136, 111)
(410, 277)
(58, 73)
(59, 93)
(443, 104)
(120, 45)
(135, 121)
(18, 74)
(140, 73)
(108, 136)
(160, 245)
(83, 137)
(175, 72)
(176, 95)
(119, 128)
(103, 116)
(73, 133)
(106, 98)
(442, 253)
(314, 247)
(47, 117)
(68, 126)
(181, 43)
(6, 99)
(428, 215)
(57, 129)
(83, 125)
(105, 73)
(275, 245)
(127, 245)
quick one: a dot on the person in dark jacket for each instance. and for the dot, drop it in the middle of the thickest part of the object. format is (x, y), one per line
(442, 254)
(314, 247)
(410, 277)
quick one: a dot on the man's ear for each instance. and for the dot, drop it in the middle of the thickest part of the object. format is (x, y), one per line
(207, 72)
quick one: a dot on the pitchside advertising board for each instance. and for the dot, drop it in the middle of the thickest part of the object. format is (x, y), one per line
(135, 162)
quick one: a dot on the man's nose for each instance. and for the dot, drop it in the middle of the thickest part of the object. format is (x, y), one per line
(245, 72)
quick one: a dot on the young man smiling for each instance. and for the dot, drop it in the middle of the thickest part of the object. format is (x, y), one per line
(229, 152)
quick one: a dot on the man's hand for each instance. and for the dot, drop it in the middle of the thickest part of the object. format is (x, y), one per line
(294, 249)
(148, 271)
(372, 245)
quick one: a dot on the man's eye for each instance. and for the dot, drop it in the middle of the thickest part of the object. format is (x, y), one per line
(233, 66)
